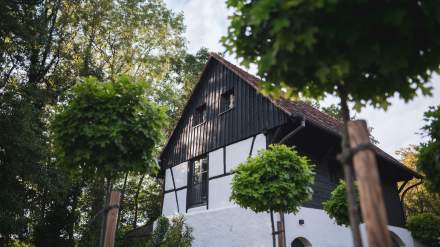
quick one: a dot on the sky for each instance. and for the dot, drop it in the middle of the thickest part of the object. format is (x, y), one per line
(206, 22)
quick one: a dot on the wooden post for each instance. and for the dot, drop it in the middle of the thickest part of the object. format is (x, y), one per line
(112, 218)
(370, 190)
(280, 226)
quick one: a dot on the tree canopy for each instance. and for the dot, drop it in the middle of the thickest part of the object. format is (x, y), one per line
(277, 179)
(374, 49)
(336, 206)
(109, 126)
(429, 152)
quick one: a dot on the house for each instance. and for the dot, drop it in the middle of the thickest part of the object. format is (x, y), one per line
(224, 122)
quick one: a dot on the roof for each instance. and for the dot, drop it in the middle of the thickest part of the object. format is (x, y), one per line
(311, 114)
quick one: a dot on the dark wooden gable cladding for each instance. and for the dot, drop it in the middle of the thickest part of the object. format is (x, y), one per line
(252, 114)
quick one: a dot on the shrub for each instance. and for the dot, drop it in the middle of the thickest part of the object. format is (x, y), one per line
(336, 207)
(171, 233)
(277, 179)
(425, 228)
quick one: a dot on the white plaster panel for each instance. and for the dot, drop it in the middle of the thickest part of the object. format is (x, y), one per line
(180, 173)
(216, 163)
(259, 144)
(181, 197)
(169, 204)
(219, 192)
(168, 180)
(237, 153)
(233, 226)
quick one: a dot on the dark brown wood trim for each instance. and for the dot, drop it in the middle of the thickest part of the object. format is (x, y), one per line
(175, 191)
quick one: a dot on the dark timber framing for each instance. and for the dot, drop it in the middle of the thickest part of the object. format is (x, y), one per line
(175, 191)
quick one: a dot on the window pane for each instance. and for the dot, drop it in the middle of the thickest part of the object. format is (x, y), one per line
(227, 100)
(198, 189)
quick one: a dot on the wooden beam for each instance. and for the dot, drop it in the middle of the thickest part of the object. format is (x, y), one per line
(112, 217)
(370, 190)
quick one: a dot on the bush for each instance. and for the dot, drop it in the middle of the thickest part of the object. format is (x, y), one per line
(277, 179)
(171, 233)
(425, 228)
(336, 207)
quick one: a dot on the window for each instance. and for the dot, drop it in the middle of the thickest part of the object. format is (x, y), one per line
(199, 115)
(227, 100)
(198, 182)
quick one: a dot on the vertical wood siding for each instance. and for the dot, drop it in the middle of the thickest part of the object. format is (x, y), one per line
(251, 115)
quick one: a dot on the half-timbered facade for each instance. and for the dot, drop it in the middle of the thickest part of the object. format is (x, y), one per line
(224, 122)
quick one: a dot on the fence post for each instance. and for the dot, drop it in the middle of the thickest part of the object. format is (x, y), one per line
(370, 190)
(112, 218)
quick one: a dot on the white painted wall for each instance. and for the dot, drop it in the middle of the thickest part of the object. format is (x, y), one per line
(320, 230)
(181, 197)
(215, 159)
(169, 204)
(168, 180)
(233, 226)
(259, 144)
(237, 153)
(219, 192)
(226, 224)
(180, 173)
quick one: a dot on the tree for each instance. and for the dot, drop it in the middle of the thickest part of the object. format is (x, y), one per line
(336, 206)
(108, 127)
(429, 152)
(417, 200)
(314, 47)
(277, 179)
(45, 46)
(34, 52)
(134, 37)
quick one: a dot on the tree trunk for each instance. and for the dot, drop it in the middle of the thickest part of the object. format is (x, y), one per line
(370, 191)
(136, 198)
(104, 216)
(353, 210)
(122, 200)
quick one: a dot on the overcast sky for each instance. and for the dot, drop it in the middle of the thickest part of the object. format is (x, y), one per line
(206, 22)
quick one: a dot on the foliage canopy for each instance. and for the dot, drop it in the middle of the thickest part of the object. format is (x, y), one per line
(109, 126)
(277, 179)
(336, 207)
(429, 152)
(373, 48)
(425, 228)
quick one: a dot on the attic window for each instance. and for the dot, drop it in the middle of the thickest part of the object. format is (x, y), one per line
(199, 116)
(227, 101)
